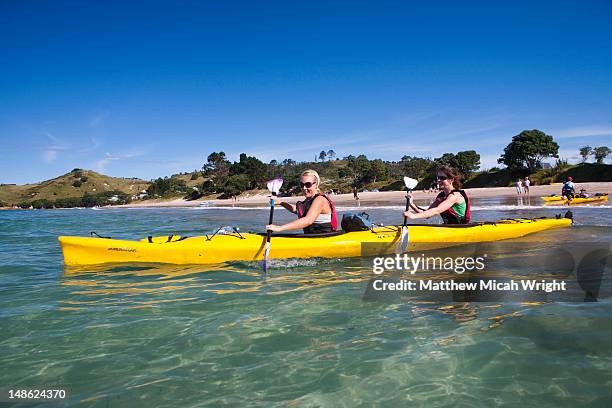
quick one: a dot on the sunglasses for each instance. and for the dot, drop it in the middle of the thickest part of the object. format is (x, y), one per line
(442, 178)
(307, 184)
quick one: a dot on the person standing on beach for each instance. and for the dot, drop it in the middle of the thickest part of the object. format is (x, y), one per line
(519, 187)
(452, 204)
(527, 183)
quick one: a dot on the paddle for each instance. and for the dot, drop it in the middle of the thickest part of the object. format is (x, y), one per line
(273, 187)
(410, 185)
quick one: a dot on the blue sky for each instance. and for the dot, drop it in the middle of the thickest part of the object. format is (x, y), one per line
(147, 89)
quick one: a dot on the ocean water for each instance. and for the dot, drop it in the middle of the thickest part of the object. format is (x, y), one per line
(305, 335)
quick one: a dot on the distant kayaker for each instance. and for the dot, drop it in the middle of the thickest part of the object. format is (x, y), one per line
(452, 204)
(316, 214)
(568, 190)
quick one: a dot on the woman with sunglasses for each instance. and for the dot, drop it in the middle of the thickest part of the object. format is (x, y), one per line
(316, 214)
(452, 204)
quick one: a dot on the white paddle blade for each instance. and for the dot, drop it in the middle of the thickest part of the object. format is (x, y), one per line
(275, 185)
(410, 183)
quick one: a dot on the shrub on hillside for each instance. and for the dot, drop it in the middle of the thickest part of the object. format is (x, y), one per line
(42, 203)
(587, 172)
(235, 185)
(68, 202)
(167, 187)
(77, 183)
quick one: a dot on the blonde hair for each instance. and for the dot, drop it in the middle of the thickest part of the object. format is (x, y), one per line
(314, 174)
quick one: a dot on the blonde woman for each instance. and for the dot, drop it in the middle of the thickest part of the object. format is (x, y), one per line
(316, 213)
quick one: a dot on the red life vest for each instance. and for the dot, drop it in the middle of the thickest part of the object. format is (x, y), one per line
(302, 208)
(450, 216)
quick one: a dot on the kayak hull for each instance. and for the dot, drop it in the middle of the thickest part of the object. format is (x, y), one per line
(250, 247)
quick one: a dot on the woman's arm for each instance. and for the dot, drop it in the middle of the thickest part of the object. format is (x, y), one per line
(300, 223)
(416, 208)
(440, 208)
(288, 206)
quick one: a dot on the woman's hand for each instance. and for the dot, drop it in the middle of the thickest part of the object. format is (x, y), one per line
(410, 215)
(274, 228)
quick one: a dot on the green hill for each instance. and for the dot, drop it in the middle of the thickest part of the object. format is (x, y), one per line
(73, 184)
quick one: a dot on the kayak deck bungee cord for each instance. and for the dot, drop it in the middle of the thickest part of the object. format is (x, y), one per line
(235, 246)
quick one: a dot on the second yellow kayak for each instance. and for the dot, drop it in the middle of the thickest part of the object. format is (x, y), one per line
(577, 200)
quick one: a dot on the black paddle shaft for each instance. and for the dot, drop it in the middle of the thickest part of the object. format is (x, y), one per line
(408, 197)
(271, 217)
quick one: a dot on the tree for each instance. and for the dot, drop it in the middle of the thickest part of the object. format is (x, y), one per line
(447, 159)
(322, 155)
(288, 163)
(601, 153)
(528, 149)
(252, 167)
(360, 166)
(466, 162)
(166, 187)
(236, 184)
(217, 166)
(415, 167)
(377, 170)
(331, 154)
(585, 152)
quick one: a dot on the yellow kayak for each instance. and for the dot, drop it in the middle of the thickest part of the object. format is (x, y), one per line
(553, 198)
(577, 200)
(250, 247)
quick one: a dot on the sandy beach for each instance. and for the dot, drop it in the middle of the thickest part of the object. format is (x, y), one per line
(384, 197)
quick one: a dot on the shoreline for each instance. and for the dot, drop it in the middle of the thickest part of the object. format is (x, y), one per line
(376, 197)
(369, 198)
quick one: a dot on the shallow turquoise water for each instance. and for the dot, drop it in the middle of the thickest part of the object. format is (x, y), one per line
(159, 335)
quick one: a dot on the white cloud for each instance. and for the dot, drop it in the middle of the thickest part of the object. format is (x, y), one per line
(50, 153)
(584, 131)
(92, 147)
(98, 119)
(101, 164)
